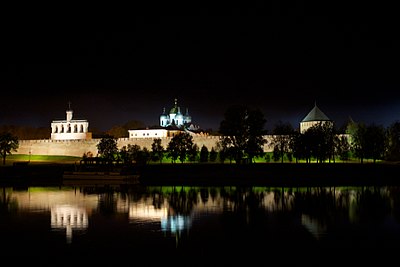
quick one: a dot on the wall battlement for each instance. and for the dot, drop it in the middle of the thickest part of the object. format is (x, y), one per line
(78, 148)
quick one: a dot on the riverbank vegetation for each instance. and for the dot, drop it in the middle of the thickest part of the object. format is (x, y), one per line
(242, 142)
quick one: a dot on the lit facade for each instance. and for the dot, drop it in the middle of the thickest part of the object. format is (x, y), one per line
(153, 133)
(70, 129)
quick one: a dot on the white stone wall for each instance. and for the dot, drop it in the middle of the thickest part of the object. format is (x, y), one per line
(70, 136)
(79, 147)
(305, 125)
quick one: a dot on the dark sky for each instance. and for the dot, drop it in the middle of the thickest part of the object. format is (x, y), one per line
(276, 58)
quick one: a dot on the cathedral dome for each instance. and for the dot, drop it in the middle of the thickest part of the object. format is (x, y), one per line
(175, 116)
(174, 109)
(163, 116)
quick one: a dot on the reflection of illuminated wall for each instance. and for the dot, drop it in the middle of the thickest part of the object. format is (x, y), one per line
(175, 223)
(315, 227)
(172, 223)
(352, 206)
(38, 199)
(147, 212)
(69, 208)
(70, 218)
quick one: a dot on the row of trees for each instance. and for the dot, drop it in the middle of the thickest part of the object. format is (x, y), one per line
(180, 148)
(323, 143)
(243, 139)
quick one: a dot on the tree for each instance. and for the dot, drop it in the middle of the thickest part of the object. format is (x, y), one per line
(204, 154)
(26, 132)
(256, 140)
(134, 124)
(281, 137)
(8, 144)
(342, 147)
(157, 150)
(243, 130)
(319, 142)
(393, 142)
(179, 146)
(143, 156)
(107, 148)
(130, 153)
(118, 132)
(225, 150)
(358, 141)
(121, 131)
(325, 144)
(297, 146)
(376, 140)
(213, 155)
(193, 152)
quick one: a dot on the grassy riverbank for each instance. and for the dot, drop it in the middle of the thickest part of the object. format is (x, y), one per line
(40, 159)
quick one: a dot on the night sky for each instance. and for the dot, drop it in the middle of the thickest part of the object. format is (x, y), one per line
(116, 69)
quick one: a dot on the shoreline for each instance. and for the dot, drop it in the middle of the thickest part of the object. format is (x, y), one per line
(272, 174)
(197, 174)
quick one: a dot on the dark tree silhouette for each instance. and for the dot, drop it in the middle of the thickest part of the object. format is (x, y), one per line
(368, 141)
(375, 145)
(193, 152)
(157, 150)
(204, 154)
(281, 138)
(8, 144)
(213, 155)
(179, 146)
(243, 131)
(107, 148)
(342, 147)
(393, 142)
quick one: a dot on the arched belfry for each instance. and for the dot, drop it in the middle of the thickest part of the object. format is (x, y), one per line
(70, 129)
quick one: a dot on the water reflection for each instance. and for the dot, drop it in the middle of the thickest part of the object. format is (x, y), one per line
(69, 218)
(332, 216)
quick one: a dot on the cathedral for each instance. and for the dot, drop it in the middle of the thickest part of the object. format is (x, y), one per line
(171, 123)
(175, 117)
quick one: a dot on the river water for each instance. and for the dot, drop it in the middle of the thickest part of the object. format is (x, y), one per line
(130, 225)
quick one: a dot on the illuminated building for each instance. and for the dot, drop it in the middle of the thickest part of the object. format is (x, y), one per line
(171, 124)
(70, 129)
(175, 117)
(314, 117)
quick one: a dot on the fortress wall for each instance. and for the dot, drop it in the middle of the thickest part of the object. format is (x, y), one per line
(79, 147)
(57, 147)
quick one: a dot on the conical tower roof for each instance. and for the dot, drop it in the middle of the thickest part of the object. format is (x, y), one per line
(315, 115)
